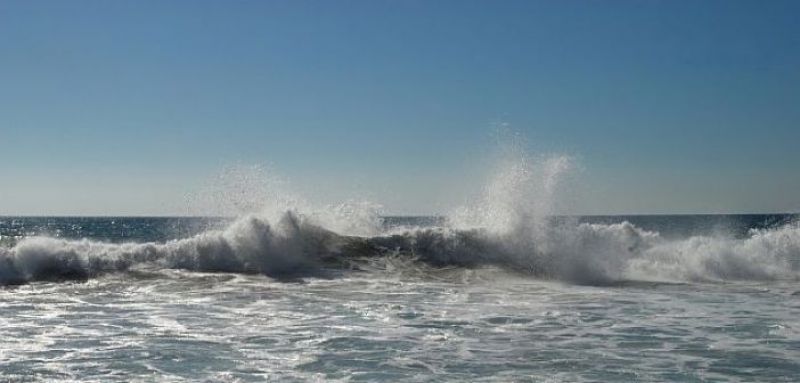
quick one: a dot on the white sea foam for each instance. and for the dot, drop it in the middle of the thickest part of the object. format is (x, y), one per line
(769, 254)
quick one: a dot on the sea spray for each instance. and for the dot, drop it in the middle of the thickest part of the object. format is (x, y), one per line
(259, 191)
(521, 191)
(514, 223)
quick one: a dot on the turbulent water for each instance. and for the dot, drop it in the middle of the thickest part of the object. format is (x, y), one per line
(501, 289)
(681, 298)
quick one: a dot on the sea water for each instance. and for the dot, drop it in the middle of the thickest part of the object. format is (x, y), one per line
(696, 298)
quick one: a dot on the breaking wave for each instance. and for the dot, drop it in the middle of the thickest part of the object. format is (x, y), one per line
(511, 225)
(295, 246)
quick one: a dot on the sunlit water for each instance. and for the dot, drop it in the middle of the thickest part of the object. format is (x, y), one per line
(392, 319)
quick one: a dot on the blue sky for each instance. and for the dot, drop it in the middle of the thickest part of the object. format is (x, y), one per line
(124, 107)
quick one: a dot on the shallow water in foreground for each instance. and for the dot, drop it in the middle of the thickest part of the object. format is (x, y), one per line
(452, 325)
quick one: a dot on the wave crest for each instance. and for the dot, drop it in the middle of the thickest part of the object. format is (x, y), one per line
(295, 246)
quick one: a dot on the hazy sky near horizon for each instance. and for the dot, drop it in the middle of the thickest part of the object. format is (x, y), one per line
(127, 107)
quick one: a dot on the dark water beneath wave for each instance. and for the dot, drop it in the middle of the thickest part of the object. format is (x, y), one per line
(160, 229)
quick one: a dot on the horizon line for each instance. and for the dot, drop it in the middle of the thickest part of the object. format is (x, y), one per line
(3, 216)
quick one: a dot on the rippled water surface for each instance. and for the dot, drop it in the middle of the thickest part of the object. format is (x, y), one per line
(456, 325)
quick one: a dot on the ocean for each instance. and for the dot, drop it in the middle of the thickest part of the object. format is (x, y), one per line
(299, 297)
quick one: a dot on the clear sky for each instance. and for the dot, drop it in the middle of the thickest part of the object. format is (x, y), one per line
(124, 107)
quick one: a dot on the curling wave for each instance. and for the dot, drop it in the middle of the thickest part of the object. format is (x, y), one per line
(248, 245)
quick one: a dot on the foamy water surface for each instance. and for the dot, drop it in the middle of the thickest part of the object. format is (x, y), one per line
(410, 314)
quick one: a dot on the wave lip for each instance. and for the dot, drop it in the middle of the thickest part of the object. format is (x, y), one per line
(252, 245)
(43, 258)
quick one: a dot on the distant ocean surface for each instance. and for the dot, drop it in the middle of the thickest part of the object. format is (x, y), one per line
(685, 298)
